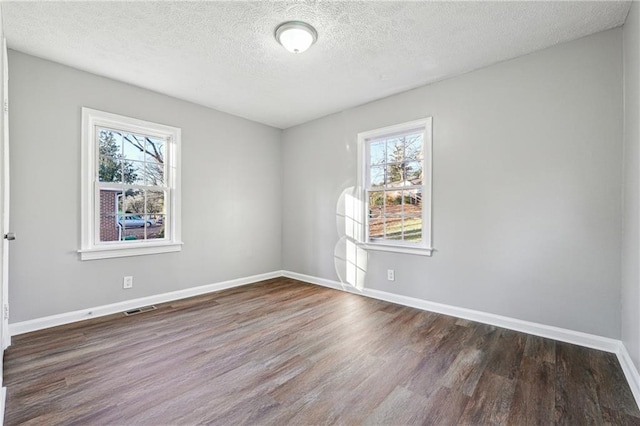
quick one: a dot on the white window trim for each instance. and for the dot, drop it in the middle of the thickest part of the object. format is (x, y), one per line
(425, 248)
(90, 250)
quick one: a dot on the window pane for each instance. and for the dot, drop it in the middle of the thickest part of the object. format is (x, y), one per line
(109, 170)
(413, 147)
(155, 202)
(154, 150)
(393, 228)
(376, 203)
(157, 229)
(413, 228)
(154, 175)
(377, 177)
(133, 147)
(131, 234)
(134, 172)
(377, 153)
(155, 161)
(395, 150)
(397, 175)
(412, 202)
(110, 154)
(135, 226)
(132, 202)
(413, 172)
(108, 219)
(393, 202)
(376, 228)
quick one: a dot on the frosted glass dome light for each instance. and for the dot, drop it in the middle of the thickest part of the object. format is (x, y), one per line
(296, 36)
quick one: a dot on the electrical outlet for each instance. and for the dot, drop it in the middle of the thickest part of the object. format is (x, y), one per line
(391, 275)
(127, 282)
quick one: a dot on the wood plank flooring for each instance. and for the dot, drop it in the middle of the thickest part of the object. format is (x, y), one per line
(285, 352)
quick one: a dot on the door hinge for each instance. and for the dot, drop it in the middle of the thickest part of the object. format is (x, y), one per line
(6, 311)
(6, 105)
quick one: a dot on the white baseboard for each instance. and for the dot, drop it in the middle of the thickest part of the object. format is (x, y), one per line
(3, 401)
(114, 308)
(569, 336)
(630, 371)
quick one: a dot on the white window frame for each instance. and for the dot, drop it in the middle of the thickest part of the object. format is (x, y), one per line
(424, 247)
(91, 247)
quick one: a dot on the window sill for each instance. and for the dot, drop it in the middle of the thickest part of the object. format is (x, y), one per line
(419, 251)
(120, 251)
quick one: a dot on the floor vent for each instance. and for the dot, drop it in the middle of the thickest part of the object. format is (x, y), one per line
(140, 310)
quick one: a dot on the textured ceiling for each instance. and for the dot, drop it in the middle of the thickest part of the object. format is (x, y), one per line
(223, 54)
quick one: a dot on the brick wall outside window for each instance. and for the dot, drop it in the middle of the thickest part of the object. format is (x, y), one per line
(109, 229)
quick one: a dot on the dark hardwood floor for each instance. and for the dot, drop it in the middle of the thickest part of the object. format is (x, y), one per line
(284, 352)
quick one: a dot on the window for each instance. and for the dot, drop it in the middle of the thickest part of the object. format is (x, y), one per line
(395, 174)
(130, 186)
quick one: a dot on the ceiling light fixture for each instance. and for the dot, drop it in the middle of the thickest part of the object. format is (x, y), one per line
(296, 36)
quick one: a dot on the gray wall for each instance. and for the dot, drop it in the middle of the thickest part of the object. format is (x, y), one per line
(631, 212)
(527, 188)
(230, 199)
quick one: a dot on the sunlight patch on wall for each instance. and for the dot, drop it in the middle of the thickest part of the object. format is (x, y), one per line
(350, 260)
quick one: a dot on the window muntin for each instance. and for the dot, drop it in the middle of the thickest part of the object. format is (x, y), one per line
(396, 181)
(130, 186)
